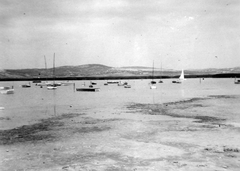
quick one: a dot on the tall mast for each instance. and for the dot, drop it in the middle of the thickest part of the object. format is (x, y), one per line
(45, 62)
(45, 67)
(161, 70)
(153, 71)
(54, 68)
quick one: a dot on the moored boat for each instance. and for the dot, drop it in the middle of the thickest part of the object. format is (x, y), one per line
(153, 86)
(112, 82)
(152, 83)
(51, 88)
(237, 82)
(127, 86)
(54, 85)
(26, 85)
(91, 89)
(36, 81)
(9, 91)
(43, 84)
(181, 78)
(5, 88)
(122, 83)
(178, 82)
(93, 83)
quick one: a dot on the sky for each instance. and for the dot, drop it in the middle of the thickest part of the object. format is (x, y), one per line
(174, 34)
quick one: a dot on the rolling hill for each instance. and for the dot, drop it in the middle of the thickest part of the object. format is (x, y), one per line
(97, 70)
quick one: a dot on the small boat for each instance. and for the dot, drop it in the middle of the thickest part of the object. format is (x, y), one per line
(91, 89)
(113, 82)
(36, 81)
(54, 85)
(152, 83)
(43, 84)
(26, 85)
(178, 82)
(51, 88)
(57, 84)
(236, 81)
(122, 83)
(93, 83)
(8, 91)
(153, 86)
(181, 78)
(105, 83)
(127, 86)
(5, 88)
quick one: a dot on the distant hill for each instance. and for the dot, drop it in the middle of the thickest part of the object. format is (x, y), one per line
(62, 71)
(97, 70)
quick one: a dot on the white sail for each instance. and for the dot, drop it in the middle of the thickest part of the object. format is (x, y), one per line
(180, 79)
(182, 76)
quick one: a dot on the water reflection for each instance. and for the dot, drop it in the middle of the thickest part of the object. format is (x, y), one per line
(182, 92)
(54, 103)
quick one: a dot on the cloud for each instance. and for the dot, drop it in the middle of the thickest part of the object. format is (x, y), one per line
(131, 31)
(190, 18)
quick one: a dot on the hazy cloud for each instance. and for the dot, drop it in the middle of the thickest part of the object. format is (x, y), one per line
(120, 32)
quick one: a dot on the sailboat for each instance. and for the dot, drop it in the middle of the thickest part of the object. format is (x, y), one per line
(90, 88)
(152, 83)
(8, 91)
(26, 85)
(44, 83)
(236, 81)
(181, 78)
(53, 86)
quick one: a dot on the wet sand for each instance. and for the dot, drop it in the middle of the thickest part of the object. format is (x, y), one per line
(194, 134)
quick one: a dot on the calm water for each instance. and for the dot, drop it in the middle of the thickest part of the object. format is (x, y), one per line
(32, 104)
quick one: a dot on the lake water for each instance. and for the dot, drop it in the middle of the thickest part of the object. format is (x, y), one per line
(27, 105)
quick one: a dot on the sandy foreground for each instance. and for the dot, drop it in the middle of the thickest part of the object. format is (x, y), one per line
(194, 134)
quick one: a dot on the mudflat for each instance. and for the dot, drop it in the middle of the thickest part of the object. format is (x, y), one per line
(193, 134)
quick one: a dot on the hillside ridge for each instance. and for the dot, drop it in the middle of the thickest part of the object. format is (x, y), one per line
(99, 70)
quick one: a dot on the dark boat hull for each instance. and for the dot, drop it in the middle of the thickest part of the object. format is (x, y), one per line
(112, 82)
(177, 82)
(153, 82)
(87, 89)
(26, 86)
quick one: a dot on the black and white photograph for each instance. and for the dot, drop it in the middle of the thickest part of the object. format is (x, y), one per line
(119, 85)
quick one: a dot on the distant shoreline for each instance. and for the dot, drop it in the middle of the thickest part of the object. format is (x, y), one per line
(225, 75)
